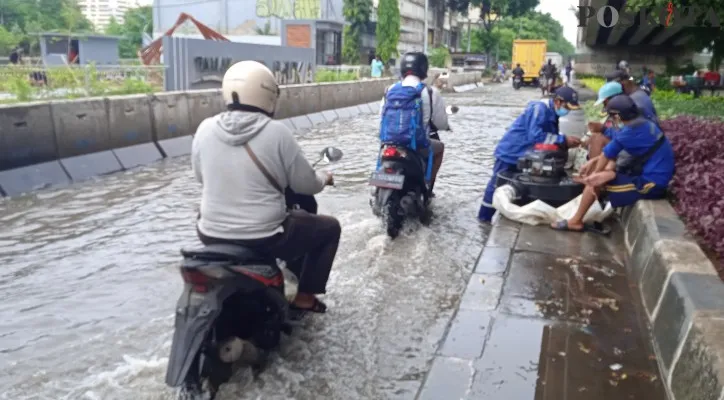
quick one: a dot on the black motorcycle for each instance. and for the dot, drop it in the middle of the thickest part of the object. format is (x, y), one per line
(517, 82)
(400, 189)
(232, 312)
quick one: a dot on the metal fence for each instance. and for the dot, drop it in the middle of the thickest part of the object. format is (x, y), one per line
(27, 82)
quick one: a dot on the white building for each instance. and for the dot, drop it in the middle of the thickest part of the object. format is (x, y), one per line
(99, 12)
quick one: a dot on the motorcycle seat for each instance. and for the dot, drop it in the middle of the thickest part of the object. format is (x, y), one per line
(225, 252)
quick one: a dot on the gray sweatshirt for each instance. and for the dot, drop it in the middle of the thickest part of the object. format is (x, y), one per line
(238, 202)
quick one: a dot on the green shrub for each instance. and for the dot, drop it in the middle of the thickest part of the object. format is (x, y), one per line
(334, 76)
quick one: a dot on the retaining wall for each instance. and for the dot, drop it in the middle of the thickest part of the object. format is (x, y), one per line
(683, 299)
(59, 142)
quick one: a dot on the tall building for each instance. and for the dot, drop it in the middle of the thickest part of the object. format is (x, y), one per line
(99, 12)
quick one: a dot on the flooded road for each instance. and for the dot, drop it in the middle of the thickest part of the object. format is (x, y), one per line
(90, 279)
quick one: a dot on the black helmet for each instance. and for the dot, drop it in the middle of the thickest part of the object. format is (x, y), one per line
(414, 63)
(624, 106)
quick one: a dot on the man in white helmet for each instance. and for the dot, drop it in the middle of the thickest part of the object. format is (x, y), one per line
(244, 160)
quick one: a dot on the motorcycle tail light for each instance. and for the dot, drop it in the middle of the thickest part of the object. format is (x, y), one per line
(546, 147)
(199, 282)
(391, 152)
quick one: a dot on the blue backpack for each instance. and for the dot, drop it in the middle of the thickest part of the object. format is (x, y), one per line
(402, 122)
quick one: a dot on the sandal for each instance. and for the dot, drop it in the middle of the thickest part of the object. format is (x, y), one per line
(562, 225)
(298, 312)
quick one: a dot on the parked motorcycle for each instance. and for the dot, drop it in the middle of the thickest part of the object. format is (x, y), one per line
(400, 190)
(231, 313)
(516, 82)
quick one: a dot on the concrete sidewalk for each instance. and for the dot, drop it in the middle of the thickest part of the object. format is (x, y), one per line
(547, 315)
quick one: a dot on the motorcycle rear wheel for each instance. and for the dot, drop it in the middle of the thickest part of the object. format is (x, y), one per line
(393, 217)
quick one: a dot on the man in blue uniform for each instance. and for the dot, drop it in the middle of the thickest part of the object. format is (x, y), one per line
(537, 124)
(609, 90)
(646, 175)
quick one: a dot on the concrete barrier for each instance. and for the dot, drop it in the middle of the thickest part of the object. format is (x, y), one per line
(683, 299)
(131, 130)
(45, 144)
(82, 131)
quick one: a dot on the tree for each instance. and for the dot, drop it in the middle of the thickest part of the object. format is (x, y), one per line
(704, 36)
(136, 22)
(388, 29)
(357, 13)
(491, 11)
(533, 25)
(266, 31)
(8, 41)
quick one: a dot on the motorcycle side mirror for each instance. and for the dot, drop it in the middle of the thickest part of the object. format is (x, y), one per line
(450, 110)
(331, 154)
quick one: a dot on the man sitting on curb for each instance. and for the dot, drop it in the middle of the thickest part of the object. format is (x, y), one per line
(602, 135)
(645, 176)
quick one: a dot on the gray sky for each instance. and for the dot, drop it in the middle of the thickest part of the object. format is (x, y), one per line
(560, 10)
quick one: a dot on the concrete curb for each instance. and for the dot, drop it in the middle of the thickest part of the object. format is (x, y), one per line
(59, 142)
(683, 298)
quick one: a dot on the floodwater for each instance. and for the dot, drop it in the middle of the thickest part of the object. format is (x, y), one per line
(90, 279)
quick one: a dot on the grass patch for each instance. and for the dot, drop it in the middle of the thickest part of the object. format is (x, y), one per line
(334, 76)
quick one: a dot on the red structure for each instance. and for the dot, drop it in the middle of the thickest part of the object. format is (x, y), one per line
(151, 54)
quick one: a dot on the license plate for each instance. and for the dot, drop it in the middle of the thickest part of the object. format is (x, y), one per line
(389, 181)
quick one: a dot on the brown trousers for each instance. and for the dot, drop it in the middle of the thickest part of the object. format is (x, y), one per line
(308, 245)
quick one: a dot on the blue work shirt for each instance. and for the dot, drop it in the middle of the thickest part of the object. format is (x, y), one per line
(537, 124)
(637, 138)
(644, 104)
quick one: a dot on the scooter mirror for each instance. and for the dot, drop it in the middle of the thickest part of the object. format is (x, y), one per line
(450, 110)
(332, 154)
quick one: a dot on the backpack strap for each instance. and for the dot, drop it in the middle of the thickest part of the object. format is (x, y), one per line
(433, 128)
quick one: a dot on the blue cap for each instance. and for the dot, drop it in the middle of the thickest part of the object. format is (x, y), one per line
(608, 90)
(624, 106)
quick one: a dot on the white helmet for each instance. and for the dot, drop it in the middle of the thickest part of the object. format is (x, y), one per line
(252, 84)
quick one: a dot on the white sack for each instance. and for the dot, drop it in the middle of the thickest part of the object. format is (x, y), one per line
(538, 212)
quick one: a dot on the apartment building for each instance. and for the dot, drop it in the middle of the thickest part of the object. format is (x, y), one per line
(99, 12)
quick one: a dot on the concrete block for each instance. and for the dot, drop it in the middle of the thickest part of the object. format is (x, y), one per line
(699, 372)
(449, 378)
(365, 108)
(342, 113)
(670, 256)
(175, 147)
(466, 337)
(330, 115)
(316, 119)
(502, 236)
(301, 122)
(353, 111)
(686, 294)
(17, 181)
(335, 95)
(27, 135)
(81, 126)
(375, 106)
(493, 260)
(203, 104)
(137, 155)
(171, 117)
(130, 121)
(296, 100)
(482, 293)
(87, 166)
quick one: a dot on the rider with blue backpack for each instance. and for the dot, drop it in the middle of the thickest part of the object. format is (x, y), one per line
(411, 111)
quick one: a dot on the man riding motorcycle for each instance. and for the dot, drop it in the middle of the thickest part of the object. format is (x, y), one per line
(550, 74)
(518, 71)
(244, 159)
(413, 70)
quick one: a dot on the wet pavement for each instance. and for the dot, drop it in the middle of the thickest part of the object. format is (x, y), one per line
(90, 281)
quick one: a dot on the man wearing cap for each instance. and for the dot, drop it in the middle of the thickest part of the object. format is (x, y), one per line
(537, 124)
(609, 90)
(645, 176)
